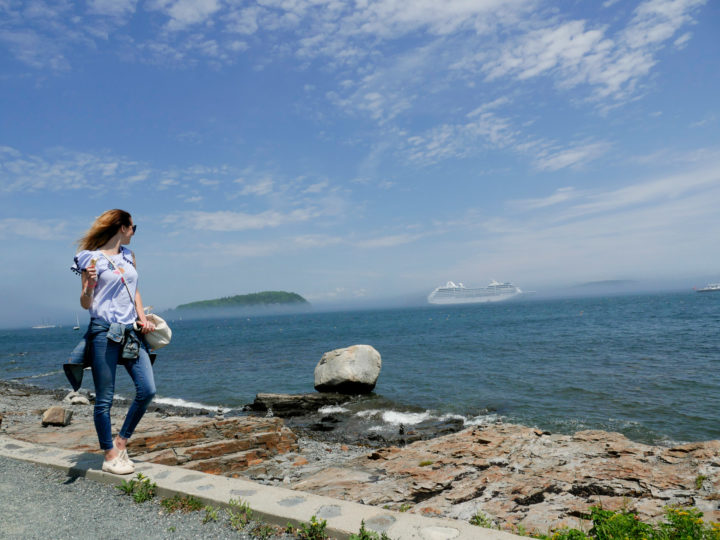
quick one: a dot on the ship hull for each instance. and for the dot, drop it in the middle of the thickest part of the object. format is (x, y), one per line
(471, 300)
(459, 294)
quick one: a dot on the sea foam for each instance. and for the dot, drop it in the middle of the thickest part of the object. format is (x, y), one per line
(178, 402)
(332, 409)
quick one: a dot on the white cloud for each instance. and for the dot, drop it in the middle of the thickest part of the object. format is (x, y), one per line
(575, 53)
(362, 41)
(315, 241)
(208, 182)
(34, 49)
(576, 156)
(682, 41)
(561, 195)
(36, 229)
(484, 130)
(183, 13)
(388, 241)
(245, 250)
(559, 47)
(226, 221)
(263, 187)
(112, 7)
(651, 192)
(317, 187)
(60, 170)
(710, 119)
(650, 229)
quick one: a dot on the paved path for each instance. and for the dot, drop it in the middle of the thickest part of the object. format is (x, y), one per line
(275, 505)
(38, 502)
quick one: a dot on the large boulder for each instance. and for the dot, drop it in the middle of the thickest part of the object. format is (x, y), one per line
(353, 370)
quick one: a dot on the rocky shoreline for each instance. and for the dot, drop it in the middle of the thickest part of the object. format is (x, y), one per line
(514, 475)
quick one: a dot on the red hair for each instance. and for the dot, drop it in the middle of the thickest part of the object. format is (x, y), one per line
(104, 228)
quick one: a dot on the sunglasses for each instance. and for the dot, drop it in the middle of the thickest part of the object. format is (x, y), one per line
(134, 228)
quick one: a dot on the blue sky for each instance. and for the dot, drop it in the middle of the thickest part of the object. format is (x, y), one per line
(359, 150)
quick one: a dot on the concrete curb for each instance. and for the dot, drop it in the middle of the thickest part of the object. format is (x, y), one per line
(275, 505)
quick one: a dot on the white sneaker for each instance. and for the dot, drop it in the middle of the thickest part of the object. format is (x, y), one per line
(124, 456)
(118, 466)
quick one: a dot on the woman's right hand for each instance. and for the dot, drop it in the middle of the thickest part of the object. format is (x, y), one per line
(91, 276)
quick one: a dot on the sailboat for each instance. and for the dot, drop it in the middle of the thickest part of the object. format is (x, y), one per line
(77, 326)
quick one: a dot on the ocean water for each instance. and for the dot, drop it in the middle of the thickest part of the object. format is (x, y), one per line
(645, 365)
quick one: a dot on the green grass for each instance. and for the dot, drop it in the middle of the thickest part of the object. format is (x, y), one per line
(482, 520)
(140, 488)
(211, 514)
(183, 504)
(678, 524)
(315, 530)
(240, 514)
(364, 534)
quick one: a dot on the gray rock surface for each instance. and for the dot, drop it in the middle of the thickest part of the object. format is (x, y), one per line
(353, 370)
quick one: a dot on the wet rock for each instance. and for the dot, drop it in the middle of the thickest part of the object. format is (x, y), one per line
(56, 416)
(289, 405)
(353, 370)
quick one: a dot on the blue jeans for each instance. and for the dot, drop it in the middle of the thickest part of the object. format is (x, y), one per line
(106, 355)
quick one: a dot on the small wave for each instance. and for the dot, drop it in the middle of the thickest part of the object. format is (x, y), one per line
(332, 409)
(38, 376)
(397, 418)
(481, 420)
(178, 402)
(406, 418)
(369, 413)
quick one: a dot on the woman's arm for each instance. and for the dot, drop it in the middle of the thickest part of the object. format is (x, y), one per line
(147, 326)
(89, 281)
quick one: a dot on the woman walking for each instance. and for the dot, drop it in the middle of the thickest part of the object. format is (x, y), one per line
(109, 292)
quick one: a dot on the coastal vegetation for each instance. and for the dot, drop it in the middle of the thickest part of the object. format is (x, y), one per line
(364, 534)
(265, 298)
(178, 503)
(140, 488)
(239, 513)
(315, 530)
(679, 524)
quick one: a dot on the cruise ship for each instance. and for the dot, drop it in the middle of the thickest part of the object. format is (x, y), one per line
(710, 287)
(459, 294)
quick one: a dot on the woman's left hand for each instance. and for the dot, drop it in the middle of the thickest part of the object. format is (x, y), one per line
(147, 326)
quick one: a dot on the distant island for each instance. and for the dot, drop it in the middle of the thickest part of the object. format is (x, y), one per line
(265, 298)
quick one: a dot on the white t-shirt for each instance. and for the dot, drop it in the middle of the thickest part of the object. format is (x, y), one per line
(111, 301)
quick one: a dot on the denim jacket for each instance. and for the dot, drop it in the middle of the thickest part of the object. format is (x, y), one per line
(80, 357)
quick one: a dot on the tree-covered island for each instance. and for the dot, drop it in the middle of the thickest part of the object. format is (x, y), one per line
(265, 298)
